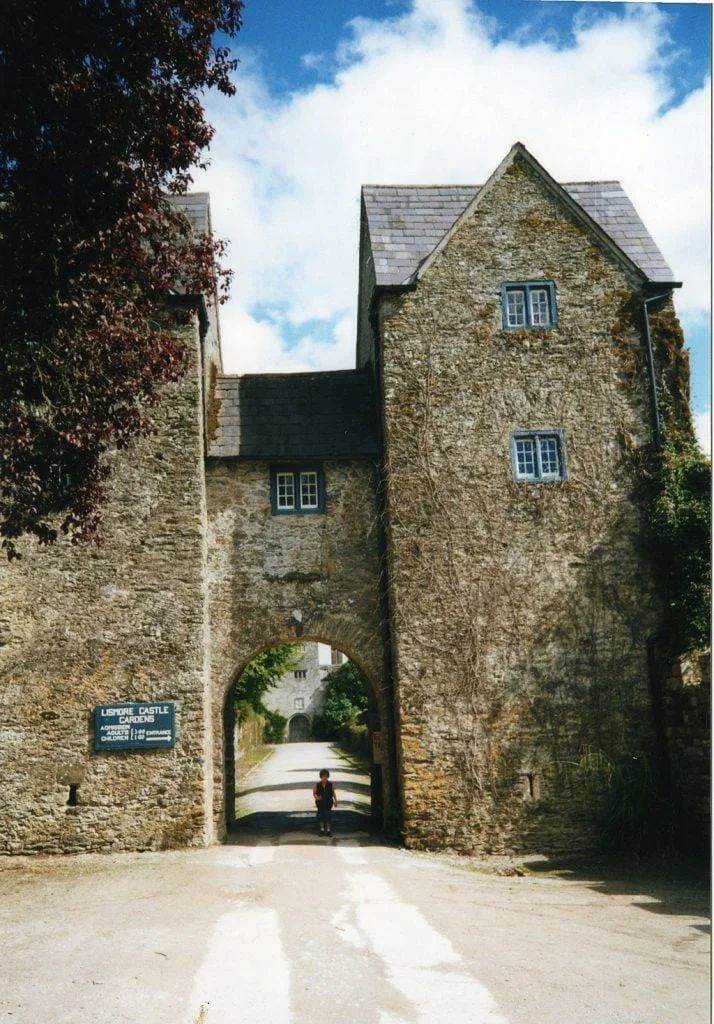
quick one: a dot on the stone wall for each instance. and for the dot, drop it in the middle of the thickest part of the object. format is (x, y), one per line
(278, 579)
(520, 611)
(123, 621)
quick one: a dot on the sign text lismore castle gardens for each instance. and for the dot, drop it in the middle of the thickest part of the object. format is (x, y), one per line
(134, 726)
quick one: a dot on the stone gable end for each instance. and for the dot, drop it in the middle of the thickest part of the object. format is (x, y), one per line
(523, 609)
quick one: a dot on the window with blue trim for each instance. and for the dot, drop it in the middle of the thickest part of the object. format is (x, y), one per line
(528, 304)
(296, 490)
(538, 455)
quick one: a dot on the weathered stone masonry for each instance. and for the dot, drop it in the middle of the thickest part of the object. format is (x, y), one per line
(123, 621)
(502, 625)
(520, 611)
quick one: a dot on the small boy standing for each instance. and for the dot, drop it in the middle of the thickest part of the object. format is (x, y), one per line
(325, 799)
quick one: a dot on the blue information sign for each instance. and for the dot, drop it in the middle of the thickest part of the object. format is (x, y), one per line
(133, 726)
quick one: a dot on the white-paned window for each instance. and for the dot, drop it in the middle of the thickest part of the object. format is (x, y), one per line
(296, 489)
(538, 455)
(285, 491)
(516, 299)
(308, 490)
(528, 304)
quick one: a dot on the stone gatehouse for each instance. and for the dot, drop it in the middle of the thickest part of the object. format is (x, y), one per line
(461, 515)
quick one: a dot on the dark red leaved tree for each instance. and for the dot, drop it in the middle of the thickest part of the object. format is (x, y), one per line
(100, 120)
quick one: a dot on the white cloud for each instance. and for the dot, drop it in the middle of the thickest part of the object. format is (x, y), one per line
(703, 428)
(430, 97)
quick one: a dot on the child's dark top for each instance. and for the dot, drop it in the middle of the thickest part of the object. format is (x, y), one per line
(324, 793)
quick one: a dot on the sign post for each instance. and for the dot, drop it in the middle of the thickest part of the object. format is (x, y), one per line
(135, 726)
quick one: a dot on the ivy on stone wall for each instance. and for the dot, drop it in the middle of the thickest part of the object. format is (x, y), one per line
(680, 509)
(681, 527)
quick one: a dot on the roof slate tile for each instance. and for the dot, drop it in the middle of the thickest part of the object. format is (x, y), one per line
(417, 217)
(296, 416)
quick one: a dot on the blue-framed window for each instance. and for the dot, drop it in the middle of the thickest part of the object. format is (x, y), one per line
(528, 304)
(297, 490)
(538, 455)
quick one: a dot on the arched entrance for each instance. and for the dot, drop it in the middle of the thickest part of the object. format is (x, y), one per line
(372, 752)
(299, 729)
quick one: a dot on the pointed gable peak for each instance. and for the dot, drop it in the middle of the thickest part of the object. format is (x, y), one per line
(519, 154)
(409, 225)
(516, 153)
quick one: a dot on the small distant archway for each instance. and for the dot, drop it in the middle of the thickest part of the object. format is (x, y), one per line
(299, 729)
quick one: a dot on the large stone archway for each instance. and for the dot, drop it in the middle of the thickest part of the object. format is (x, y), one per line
(380, 718)
(276, 579)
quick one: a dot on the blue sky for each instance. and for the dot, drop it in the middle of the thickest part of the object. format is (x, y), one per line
(336, 93)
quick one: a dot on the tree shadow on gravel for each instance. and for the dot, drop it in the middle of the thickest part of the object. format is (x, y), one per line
(341, 787)
(299, 826)
(672, 884)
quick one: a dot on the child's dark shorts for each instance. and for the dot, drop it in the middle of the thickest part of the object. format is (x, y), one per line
(324, 812)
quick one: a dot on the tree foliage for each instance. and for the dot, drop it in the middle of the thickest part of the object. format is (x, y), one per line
(100, 121)
(345, 698)
(681, 523)
(262, 674)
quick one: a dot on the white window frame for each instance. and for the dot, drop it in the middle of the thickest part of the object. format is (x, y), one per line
(309, 480)
(554, 439)
(297, 489)
(281, 481)
(527, 313)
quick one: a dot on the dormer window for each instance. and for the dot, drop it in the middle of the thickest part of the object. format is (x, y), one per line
(527, 304)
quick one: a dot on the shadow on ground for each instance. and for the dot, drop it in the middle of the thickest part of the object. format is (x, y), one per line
(672, 884)
(361, 788)
(301, 825)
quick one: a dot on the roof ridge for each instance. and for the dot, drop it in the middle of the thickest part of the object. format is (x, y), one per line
(430, 185)
(588, 181)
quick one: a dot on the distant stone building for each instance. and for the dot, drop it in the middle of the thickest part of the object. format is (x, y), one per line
(300, 692)
(462, 515)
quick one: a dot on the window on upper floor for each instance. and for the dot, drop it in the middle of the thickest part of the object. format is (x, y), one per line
(528, 304)
(296, 490)
(300, 673)
(538, 455)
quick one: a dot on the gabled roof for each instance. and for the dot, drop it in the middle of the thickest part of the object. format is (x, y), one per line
(295, 416)
(406, 223)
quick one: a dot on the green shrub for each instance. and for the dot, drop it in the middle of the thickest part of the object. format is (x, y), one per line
(345, 700)
(635, 812)
(681, 527)
(275, 723)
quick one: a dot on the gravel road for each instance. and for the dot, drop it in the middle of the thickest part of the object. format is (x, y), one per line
(282, 926)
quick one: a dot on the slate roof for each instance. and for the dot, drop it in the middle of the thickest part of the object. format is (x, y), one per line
(295, 416)
(406, 222)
